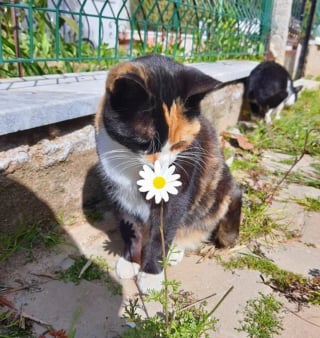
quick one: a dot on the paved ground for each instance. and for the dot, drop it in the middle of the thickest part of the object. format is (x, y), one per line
(94, 311)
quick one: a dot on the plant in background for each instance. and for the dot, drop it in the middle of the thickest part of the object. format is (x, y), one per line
(26, 237)
(261, 317)
(39, 40)
(288, 134)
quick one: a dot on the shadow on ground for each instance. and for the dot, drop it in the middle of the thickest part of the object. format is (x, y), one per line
(27, 277)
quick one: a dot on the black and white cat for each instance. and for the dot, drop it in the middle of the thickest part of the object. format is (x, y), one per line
(269, 88)
(150, 111)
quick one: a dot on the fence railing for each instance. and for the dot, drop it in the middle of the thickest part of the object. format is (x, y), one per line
(55, 36)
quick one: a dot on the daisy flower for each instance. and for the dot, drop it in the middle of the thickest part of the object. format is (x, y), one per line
(159, 183)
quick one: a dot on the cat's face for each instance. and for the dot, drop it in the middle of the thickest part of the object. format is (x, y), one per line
(293, 95)
(152, 106)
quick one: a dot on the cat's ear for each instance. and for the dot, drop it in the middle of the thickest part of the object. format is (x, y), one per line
(197, 85)
(128, 93)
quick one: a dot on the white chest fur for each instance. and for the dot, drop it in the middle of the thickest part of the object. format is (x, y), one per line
(121, 166)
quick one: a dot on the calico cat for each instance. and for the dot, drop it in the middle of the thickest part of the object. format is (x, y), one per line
(269, 88)
(150, 111)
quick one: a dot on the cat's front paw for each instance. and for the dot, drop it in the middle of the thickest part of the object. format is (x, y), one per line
(126, 269)
(148, 281)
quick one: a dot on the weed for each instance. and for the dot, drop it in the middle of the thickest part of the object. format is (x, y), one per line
(181, 317)
(10, 326)
(287, 161)
(262, 317)
(75, 318)
(94, 216)
(256, 222)
(245, 164)
(187, 317)
(293, 286)
(90, 269)
(309, 203)
(26, 237)
(95, 271)
(227, 152)
(316, 166)
(63, 219)
(299, 178)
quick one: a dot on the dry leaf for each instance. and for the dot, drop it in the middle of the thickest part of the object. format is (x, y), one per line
(58, 334)
(240, 139)
(244, 143)
(6, 302)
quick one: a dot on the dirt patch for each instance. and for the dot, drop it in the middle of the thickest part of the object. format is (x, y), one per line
(31, 194)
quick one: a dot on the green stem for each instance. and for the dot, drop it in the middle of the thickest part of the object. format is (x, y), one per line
(164, 263)
(220, 301)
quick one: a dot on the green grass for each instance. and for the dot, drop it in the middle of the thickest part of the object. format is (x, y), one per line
(288, 161)
(256, 222)
(96, 270)
(26, 237)
(245, 162)
(316, 166)
(90, 269)
(293, 286)
(261, 317)
(288, 134)
(309, 203)
(299, 178)
(10, 326)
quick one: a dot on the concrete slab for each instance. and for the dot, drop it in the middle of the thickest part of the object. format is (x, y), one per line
(297, 257)
(38, 101)
(21, 111)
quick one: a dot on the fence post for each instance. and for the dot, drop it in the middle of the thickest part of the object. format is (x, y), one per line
(281, 14)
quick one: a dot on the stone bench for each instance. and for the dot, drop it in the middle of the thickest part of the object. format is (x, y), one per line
(31, 102)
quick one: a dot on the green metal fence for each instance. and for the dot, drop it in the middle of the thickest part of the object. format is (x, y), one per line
(54, 36)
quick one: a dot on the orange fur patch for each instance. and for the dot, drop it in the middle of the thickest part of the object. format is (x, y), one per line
(181, 130)
(152, 157)
(122, 69)
(98, 120)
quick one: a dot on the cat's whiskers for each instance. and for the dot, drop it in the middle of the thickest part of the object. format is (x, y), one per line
(188, 161)
(199, 150)
(125, 162)
(192, 157)
(178, 165)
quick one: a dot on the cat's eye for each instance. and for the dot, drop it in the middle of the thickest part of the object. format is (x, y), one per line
(179, 145)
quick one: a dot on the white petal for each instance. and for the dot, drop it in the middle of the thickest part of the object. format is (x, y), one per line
(144, 188)
(175, 183)
(146, 172)
(142, 182)
(150, 194)
(158, 198)
(173, 177)
(172, 190)
(165, 195)
(157, 168)
(170, 170)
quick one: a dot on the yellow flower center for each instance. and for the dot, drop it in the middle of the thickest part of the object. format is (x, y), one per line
(159, 182)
